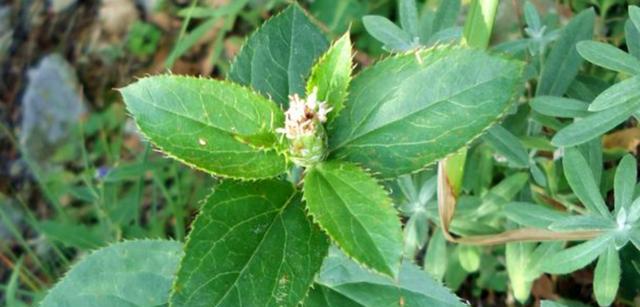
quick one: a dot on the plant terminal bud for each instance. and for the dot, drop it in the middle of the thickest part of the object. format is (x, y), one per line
(304, 130)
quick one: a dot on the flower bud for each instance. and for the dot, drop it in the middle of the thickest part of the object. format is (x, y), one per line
(304, 130)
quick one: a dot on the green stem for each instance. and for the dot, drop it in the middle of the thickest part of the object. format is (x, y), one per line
(479, 23)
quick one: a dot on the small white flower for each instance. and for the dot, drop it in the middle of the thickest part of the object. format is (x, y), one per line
(303, 115)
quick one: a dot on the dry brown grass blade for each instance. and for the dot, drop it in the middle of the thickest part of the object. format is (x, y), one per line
(446, 211)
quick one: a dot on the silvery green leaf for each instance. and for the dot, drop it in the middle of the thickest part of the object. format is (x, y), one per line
(414, 287)
(531, 17)
(563, 62)
(382, 29)
(625, 182)
(517, 257)
(583, 222)
(632, 38)
(634, 211)
(446, 15)
(577, 256)
(606, 278)
(560, 106)
(408, 12)
(436, 258)
(533, 215)
(621, 93)
(507, 145)
(594, 125)
(582, 183)
(608, 56)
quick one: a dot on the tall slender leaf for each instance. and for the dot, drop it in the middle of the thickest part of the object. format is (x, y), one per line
(517, 257)
(563, 62)
(608, 56)
(632, 38)
(382, 29)
(533, 215)
(409, 16)
(625, 182)
(583, 184)
(508, 145)
(576, 257)
(446, 15)
(595, 124)
(622, 93)
(606, 279)
(560, 106)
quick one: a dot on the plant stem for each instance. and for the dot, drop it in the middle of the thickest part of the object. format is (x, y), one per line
(479, 23)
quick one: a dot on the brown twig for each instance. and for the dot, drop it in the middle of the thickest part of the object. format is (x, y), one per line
(446, 210)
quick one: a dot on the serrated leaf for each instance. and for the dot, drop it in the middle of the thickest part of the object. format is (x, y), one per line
(594, 125)
(576, 257)
(394, 124)
(71, 234)
(277, 58)
(622, 93)
(563, 62)
(606, 278)
(332, 74)
(321, 296)
(385, 31)
(198, 122)
(625, 182)
(356, 213)
(532, 215)
(507, 145)
(251, 245)
(413, 287)
(609, 57)
(583, 184)
(583, 222)
(131, 273)
(560, 106)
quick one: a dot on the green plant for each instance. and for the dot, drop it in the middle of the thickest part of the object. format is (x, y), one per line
(382, 122)
(471, 147)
